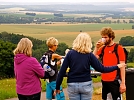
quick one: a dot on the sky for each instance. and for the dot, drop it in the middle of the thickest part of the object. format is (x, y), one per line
(67, 1)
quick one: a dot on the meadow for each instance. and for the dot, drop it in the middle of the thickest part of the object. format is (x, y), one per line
(8, 88)
(66, 32)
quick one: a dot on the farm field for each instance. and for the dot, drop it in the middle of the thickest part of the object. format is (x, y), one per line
(66, 32)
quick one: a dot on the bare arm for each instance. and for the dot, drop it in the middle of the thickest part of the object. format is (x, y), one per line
(95, 53)
(58, 57)
(122, 73)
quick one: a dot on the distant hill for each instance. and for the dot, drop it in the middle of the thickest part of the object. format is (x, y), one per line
(84, 6)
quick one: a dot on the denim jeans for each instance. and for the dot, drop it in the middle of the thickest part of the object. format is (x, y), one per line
(80, 90)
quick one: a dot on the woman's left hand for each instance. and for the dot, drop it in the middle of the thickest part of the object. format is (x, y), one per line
(55, 92)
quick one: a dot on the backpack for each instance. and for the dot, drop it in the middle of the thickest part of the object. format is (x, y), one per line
(46, 61)
(116, 53)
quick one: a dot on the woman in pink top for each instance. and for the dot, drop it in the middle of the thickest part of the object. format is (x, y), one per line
(28, 71)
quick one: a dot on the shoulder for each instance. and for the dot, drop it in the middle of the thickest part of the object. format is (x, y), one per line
(32, 59)
(120, 47)
(91, 54)
(72, 53)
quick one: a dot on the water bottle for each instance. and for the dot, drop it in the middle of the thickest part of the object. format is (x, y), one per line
(50, 70)
(45, 67)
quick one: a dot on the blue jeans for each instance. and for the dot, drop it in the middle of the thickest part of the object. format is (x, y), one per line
(80, 90)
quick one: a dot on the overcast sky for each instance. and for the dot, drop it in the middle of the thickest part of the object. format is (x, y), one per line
(66, 0)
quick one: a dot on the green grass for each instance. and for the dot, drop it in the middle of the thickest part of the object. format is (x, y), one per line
(8, 87)
(130, 64)
(60, 28)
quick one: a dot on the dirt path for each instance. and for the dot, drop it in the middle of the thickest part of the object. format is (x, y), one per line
(43, 94)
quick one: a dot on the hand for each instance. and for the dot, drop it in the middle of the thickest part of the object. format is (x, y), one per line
(58, 62)
(122, 65)
(99, 44)
(122, 88)
(55, 92)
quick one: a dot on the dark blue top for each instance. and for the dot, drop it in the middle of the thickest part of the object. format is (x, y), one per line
(79, 65)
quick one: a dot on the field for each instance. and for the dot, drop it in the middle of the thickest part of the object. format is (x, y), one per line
(66, 32)
(8, 88)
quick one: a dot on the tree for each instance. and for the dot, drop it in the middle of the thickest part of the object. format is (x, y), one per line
(124, 21)
(31, 14)
(131, 21)
(127, 41)
(118, 21)
(6, 59)
(132, 26)
(130, 55)
(58, 14)
(61, 48)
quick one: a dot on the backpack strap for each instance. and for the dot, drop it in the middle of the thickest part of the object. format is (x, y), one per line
(126, 54)
(117, 56)
(49, 59)
(116, 52)
(102, 54)
(50, 62)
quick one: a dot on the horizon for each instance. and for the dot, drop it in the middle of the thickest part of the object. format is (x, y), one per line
(65, 1)
(50, 2)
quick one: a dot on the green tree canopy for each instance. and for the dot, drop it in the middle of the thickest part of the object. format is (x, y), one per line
(127, 41)
(131, 55)
(132, 26)
(6, 59)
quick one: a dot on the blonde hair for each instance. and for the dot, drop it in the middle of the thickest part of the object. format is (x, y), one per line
(107, 31)
(82, 43)
(51, 42)
(24, 46)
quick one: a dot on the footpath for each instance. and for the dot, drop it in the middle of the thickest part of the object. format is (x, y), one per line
(43, 94)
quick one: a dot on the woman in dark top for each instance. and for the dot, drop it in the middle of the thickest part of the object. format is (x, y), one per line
(79, 60)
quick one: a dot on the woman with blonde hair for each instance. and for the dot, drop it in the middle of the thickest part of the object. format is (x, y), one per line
(79, 60)
(28, 71)
(54, 58)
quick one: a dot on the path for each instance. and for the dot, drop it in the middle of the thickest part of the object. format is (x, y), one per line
(43, 94)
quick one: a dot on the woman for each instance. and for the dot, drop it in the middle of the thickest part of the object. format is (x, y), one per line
(28, 71)
(52, 44)
(79, 60)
